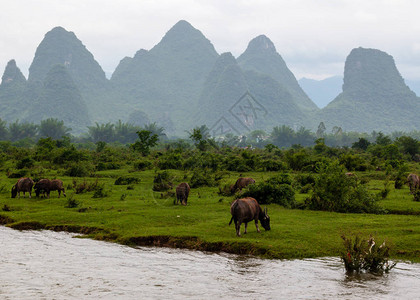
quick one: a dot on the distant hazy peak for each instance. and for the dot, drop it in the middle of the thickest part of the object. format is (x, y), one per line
(261, 43)
(226, 57)
(59, 31)
(12, 74)
(180, 30)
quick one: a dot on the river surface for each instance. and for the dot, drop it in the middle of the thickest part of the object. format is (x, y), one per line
(55, 265)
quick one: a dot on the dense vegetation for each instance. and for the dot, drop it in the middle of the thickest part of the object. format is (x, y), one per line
(125, 193)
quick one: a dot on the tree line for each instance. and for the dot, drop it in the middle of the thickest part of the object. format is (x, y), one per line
(24, 133)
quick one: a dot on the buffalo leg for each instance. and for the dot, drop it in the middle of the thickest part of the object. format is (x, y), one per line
(256, 225)
(246, 227)
(238, 228)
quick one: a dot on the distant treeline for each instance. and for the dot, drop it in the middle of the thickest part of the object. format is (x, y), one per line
(26, 134)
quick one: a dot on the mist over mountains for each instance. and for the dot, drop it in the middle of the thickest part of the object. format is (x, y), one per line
(182, 82)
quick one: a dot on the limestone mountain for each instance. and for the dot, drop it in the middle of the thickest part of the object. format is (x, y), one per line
(166, 81)
(60, 46)
(261, 56)
(374, 96)
(60, 98)
(237, 101)
(12, 92)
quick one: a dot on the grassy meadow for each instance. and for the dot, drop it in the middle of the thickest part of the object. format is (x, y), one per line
(135, 215)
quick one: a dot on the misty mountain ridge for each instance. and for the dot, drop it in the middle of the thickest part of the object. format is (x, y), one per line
(182, 82)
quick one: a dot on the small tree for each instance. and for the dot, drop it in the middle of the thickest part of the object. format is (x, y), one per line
(146, 141)
(199, 137)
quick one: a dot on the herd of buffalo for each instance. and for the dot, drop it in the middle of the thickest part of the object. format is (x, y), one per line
(43, 186)
(242, 210)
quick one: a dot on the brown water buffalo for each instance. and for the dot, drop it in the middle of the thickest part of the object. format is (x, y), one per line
(182, 192)
(45, 186)
(22, 185)
(245, 210)
(241, 183)
(413, 182)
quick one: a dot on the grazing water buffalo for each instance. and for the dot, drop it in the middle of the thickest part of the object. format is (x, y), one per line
(241, 183)
(45, 186)
(245, 210)
(182, 192)
(413, 182)
(22, 185)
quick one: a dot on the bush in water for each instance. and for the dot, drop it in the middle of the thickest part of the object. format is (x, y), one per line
(365, 255)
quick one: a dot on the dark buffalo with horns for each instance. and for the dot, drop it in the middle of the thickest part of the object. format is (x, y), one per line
(245, 210)
(241, 183)
(45, 186)
(22, 185)
(413, 182)
(182, 192)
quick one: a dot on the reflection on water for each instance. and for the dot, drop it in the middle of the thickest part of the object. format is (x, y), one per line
(44, 264)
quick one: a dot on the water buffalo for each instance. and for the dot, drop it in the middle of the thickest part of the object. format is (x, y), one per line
(241, 183)
(413, 182)
(45, 186)
(22, 185)
(245, 210)
(182, 192)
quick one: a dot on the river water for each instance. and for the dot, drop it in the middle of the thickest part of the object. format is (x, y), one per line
(55, 265)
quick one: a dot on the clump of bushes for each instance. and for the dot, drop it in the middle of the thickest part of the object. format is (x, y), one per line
(123, 180)
(273, 165)
(334, 191)
(143, 164)
(202, 178)
(100, 192)
(162, 181)
(276, 190)
(102, 166)
(26, 162)
(365, 255)
(78, 170)
(84, 186)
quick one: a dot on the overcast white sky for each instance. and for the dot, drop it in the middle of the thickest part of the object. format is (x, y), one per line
(313, 37)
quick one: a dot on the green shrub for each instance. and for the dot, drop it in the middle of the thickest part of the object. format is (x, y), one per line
(170, 161)
(123, 180)
(100, 192)
(71, 203)
(202, 178)
(365, 255)
(162, 182)
(26, 162)
(102, 166)
(334, 191)
(273, 165)
(277, 190)
(78, 170)
(142, 164)
(84, 186)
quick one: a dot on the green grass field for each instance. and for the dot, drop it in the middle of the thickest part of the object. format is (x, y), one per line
(141, 216)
